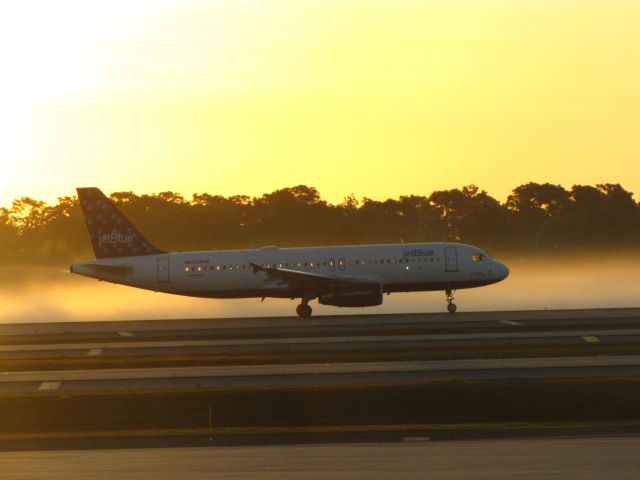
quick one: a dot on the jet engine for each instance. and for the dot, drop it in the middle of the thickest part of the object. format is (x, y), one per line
(358, 295)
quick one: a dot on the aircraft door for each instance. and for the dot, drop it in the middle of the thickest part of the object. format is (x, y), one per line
(163, 270)
(451, 259)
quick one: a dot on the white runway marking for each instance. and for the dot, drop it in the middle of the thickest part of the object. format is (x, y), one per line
(125, 334)
(49, 386)
(94, 352)
(591, 339)
(511, 322)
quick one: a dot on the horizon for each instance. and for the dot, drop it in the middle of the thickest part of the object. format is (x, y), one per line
(189, 197)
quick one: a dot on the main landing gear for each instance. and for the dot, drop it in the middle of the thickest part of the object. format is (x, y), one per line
(304, 310)
(450, 305)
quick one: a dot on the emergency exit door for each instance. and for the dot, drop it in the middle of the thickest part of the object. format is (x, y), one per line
(451, 259)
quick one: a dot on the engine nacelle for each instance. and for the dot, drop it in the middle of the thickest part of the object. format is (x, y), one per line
(359, 295)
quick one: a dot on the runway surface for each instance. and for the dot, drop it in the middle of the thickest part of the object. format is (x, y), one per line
(613, 458)
(587, 333)
(318, 374)
(334, 325)
(178, 347)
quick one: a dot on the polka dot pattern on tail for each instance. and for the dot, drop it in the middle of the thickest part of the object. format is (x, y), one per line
(111, 233)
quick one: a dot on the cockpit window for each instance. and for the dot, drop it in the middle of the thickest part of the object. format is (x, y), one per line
(478, 257)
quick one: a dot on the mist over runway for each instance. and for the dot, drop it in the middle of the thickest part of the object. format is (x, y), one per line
(36, 295)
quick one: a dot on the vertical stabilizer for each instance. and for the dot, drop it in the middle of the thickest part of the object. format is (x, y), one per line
(112, 234)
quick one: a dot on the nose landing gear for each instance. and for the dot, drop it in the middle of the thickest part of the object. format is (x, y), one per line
(450, 298)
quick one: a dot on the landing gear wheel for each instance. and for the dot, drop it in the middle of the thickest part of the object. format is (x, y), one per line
(450, 305)
(304, 310)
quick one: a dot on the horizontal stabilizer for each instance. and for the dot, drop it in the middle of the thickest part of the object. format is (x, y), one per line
(121, 270)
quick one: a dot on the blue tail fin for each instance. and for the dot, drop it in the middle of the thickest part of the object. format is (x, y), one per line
(112, 235)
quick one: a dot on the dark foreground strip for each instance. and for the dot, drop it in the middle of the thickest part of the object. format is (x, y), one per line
(452, 403)
(400, 435)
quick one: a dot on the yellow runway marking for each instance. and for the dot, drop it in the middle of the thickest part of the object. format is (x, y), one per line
(49, 386)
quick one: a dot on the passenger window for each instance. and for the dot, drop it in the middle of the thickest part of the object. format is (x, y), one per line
(332, 264)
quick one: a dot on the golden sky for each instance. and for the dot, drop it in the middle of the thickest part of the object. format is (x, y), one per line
(375, 98)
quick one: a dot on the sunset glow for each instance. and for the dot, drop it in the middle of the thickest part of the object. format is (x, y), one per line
(374, 98)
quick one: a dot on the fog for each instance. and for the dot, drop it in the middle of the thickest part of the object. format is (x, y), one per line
(40, 294)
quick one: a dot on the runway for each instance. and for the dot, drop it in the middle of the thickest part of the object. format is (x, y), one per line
(404, 372)
(613, 458)
(334, 325)
(353, 350)
(374, 342)
(318, 374)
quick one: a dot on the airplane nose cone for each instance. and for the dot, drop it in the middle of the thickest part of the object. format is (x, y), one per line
(502, 271)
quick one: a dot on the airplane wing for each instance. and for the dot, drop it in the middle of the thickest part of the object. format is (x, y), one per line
(308, 280)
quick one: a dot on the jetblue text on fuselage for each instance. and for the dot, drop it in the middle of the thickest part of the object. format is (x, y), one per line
(418, 252)
(115, 239)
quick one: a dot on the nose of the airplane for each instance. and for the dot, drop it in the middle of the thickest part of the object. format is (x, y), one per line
(501, 270)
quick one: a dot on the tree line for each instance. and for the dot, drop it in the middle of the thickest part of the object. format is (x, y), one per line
(536, 218)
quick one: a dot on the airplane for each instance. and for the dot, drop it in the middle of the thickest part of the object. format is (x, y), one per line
(342, 276)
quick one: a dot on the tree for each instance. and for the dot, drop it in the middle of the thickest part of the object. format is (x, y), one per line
(536, 217)
(471, 215)
(540, 211)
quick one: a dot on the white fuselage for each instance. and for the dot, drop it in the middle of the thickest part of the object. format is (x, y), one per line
(229, 274)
